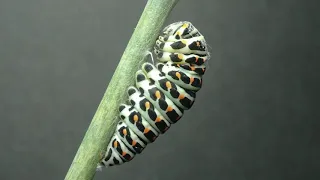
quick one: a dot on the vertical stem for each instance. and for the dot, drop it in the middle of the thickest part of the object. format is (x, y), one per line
(104, 122)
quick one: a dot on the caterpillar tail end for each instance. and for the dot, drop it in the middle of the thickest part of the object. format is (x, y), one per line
(99, 167)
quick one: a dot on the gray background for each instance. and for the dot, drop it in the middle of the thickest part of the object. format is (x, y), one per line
(255, 118)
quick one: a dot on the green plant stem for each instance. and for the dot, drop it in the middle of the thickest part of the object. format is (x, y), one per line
(104, 121)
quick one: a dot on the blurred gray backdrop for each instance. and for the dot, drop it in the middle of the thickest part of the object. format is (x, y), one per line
(256, 116)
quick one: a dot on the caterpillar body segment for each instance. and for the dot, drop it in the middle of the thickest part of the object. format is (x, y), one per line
(165, 106)
(182, 98)
(147, 110)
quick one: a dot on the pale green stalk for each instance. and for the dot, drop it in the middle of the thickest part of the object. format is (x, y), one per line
(104, 122)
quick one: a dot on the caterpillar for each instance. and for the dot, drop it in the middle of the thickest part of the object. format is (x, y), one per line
(162, 92)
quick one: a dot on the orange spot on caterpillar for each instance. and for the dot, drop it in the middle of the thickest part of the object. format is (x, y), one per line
(134, 143)
(158, 119)
(135, 118)
(181, 96)
(125, 132)
(124, 153)
(185, 25)
(178, 75)
(147, 104)
(198, 43)
(168, 85)
(191, 80)
(169, 109)
(146, 130)
(158, 95)
(115, 144)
